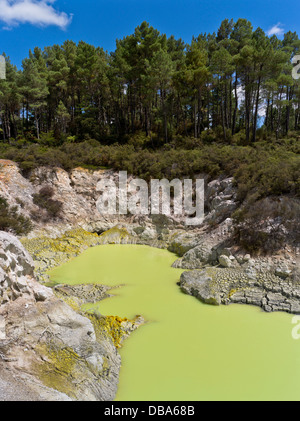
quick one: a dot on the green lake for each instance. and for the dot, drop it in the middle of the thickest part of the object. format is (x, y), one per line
(187, 351)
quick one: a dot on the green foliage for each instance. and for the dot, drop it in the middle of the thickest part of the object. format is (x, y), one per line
(261, 170)
(160, 86)
(44, 200)
(12, 221)
(268, 171)
(267, 224)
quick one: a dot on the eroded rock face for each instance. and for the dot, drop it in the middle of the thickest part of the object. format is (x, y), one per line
(44, 337)
(76, 191)
(17, 271)
(195, 258)
(202, 248)
(181, 242)
(14, 187)
(220, 200)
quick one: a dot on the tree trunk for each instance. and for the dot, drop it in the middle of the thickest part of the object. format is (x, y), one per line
(199, 113)
(247, 107)
(223, 118)
(195, 119)
(236, 104)
(256, 111)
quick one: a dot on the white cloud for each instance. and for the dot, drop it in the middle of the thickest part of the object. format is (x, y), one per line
(276, 30)
(35, 12)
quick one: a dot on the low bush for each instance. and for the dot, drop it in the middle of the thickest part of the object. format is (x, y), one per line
(12, 221)
(261, 170)
(266, 225)
(44, 200)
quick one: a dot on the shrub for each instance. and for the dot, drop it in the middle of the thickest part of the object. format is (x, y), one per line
(239, 138)
(44, 200)
(262, 169)
(48, 139)
(12, 221)
(266, 225)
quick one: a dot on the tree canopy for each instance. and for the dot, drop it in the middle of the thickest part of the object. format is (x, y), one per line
(232, 83)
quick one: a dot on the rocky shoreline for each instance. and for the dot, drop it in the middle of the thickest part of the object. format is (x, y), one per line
(221, 286)
(214, 275)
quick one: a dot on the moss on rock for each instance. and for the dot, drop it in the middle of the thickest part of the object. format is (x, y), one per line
(59, 368)
(114, 327)
(48, 253)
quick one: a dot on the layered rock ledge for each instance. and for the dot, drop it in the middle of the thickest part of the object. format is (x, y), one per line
(218, 286)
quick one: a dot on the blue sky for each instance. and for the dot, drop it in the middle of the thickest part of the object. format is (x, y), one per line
(25, 24)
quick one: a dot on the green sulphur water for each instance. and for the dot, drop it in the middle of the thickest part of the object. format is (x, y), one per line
(188, 351)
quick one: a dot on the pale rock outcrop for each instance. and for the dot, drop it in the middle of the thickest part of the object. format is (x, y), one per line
(225, 261)
(220, 200)
(201, 247)
(200, 285)
(195, 258)
(15, 188)
(42, 336)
